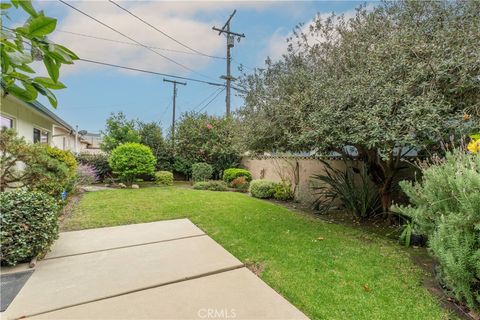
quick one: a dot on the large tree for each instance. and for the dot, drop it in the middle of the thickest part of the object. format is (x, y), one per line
(118, 130)
(401, 75)
(21, 46)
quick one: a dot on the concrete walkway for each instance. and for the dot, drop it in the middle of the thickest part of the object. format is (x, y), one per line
(159, 270)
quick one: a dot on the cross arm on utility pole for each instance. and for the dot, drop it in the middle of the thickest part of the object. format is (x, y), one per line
(230, 44)
(242, 35)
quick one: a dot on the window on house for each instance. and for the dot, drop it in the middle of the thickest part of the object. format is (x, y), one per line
(6, 122)
(40, 136)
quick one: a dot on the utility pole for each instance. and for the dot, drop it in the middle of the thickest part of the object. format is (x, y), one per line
(174, 105)
(230, 44)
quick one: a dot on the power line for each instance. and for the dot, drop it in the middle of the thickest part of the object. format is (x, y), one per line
(131, 39)
(158, 30)
(206, 98)
(135, 44)
(152, 72)
(211, 100)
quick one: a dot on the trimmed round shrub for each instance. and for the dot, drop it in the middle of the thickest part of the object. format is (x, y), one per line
(98, 161)
(210, 185)
(283, 191)
(86, 175)
(164, 178)
(29, 224)
(263, 189)
(232, 173)
(129, 160)
(201, 171)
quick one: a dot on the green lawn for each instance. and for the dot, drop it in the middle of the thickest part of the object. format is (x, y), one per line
(328, 271)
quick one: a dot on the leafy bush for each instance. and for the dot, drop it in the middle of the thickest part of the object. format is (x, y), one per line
(283, 191)
(263, 189)
(210, 185)
(201, 171)
(240, 183)
(64, 156)
(118, 130)
(86, 175)
(204, 138)
(232, 173)
(29, 224)
(349, 185)
(39, 170)
(98, 161)
(446, 207)
(130, 160)
(164, 178)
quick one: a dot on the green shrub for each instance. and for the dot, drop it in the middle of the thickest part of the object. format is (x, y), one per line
(201, 171)
(349, 185)
(164, 178)
(263, 189)
(64, 156)
(29, 224)
(130, 160)
(240, 183)
(445, 205)
(283, 191)
(210, 185)
(232, 173)
(99, 162)
(39, 171)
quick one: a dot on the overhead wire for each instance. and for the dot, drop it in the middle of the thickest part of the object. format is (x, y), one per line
(135, 44)
(206, 98)
(160, 31)
(132, 39)
(203, 108)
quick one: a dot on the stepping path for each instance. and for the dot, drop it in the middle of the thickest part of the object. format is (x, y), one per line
(159, 270)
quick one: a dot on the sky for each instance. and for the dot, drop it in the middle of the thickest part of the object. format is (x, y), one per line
(93, 91)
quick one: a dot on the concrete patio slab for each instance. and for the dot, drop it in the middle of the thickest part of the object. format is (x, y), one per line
(236, 294)
(68, 281)
(92, 240)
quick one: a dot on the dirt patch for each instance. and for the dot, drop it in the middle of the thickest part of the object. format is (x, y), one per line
(256, 267)
(69, 208)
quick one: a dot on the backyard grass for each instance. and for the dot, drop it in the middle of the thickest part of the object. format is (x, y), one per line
(328, 271)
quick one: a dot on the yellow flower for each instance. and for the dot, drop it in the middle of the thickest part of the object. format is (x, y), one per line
(474, 146)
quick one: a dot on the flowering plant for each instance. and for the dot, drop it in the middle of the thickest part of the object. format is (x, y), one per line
(474, 144)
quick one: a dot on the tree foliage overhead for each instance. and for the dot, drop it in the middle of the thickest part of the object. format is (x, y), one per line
(401, 75)
(21, 46)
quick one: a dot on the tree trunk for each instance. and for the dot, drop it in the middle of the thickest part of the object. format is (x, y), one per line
(382, 172)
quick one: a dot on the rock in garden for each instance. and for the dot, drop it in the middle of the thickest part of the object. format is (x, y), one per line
(122, 185)
(135, 186)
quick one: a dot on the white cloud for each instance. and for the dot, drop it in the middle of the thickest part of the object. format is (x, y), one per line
(185, 21)
(277, 44)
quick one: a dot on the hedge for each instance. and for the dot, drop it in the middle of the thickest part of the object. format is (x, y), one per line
(29, 222)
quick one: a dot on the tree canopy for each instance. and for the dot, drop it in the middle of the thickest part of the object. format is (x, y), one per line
(118, 130)
(403, 74)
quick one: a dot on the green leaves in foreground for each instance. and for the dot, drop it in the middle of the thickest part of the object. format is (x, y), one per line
(22, 46)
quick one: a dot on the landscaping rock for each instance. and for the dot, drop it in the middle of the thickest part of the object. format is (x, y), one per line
(135, 186)
(122, 185)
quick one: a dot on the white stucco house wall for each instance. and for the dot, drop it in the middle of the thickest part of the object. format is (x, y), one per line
(36, 123)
